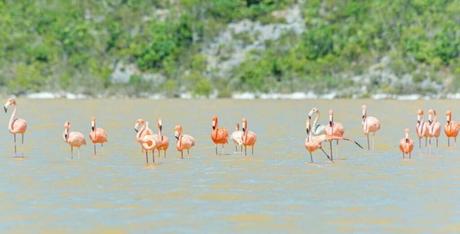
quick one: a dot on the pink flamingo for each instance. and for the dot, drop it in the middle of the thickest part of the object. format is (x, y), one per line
(249, 138)
(312, 143)
(370, 125)
(406, 145)
(15, 125)
(421, 128)
(451, 127)
(148, 143)
(218, 135)
(162, 142)
(434, 126)
(237, 137)
(141, 131)
(97, 135)
(184, 141)
(333, 130)
(74, 139)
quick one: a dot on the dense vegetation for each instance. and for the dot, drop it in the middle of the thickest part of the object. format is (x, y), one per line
(75, 46)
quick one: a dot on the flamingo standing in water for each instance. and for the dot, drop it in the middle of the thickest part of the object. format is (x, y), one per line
(406, 145)
(370, 125)
(15, 125)
(184, 141)
(141, 131)
(249, 137)
(143, 137)
(434, 126)
(162, 142)
(333, 130)
(421, 128)
(237, 137)
(97, 135)
(74, 139)
(451, 128)
(316, 128)
(312, 143)
(218, 135)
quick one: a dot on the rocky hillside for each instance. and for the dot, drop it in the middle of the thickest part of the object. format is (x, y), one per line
(224, 48)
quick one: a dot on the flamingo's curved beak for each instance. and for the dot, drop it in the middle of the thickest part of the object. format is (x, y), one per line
(5, 109)
(136, 130)
(161, 127)
(92, 128)
(330, 123)
(66, 136)
(244, 129)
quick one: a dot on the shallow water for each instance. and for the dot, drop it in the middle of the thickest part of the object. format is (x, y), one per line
(273, 191)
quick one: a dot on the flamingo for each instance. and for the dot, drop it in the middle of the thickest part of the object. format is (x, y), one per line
(15, 125)
(184, 141)
(434, 126)
(317, 129)
(370, 125)
(237, 137)
(218, 135)
(74, 139)
(148, 143)
(97, 135)
(312, 143)
(422, 129)
(145, 139)
(451, 128)
(406, 145)
(249, 138)
(334, 129)
(162, 142)
(141, 131)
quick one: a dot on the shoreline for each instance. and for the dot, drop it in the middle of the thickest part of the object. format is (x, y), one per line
(246, 96)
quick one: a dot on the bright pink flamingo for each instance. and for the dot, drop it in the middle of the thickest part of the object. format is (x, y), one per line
(237, 137)
(148, 143)
(15, 125)
(370, 125)
(406, 145)
(184, 141)
(141, 131)
(218, 135)
(434, 126)
(451, 127)
(97, 135)
(249, 137)
(74, 139)
(162, 142)
(333, 130)
(421, 128)
(312, 143)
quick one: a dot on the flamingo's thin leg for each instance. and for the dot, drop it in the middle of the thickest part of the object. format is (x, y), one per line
(188, 152)
(311, 157)
(216, 149)
(252, 149)
(94, 149)
(368, 145)
(22, 138)
(182, 154)
(14, 136)
(71, 152)
(330, 147)
(146, 157)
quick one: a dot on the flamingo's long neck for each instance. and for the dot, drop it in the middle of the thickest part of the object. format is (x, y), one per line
(315, 122)
(139, 133)
(12, 119)
(180, 139)
(160, 134)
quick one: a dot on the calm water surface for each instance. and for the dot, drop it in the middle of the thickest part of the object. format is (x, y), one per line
(274, 191)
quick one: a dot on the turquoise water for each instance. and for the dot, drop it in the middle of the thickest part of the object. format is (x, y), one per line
(274, 191)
